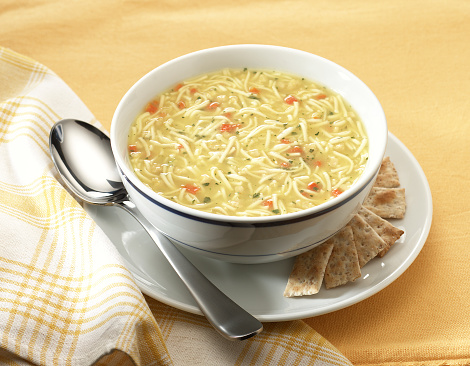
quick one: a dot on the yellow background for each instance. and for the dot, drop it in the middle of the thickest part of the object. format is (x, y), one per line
(414, 55)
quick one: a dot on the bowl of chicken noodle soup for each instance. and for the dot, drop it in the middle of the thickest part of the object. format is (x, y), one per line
(249, 153)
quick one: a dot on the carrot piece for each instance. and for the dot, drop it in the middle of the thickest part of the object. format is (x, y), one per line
(285, 141)
(317, 163)
(253, 90)
(193, 90)
(290, 99)
(229, 127)
(320, 96)
(228, 115)
(178, 87)
(336, 192)
(213, 105)
(132, 148)
(268, 203)
(295, 149)
(285, 165)
(313, 186)
(191, 188)
(152, 107)
(181, 105)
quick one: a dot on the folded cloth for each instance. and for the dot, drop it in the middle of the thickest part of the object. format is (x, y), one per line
(67, 297)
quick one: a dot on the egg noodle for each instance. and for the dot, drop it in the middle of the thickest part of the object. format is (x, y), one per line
(245, 142)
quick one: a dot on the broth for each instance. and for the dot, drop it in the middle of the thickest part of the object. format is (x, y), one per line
(245, 142)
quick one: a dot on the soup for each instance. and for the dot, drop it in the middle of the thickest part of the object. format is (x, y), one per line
(245, 142)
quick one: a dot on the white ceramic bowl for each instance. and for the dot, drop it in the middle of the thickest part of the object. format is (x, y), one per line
(250, 239)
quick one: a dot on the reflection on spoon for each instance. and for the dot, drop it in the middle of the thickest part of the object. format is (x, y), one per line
(83, 157)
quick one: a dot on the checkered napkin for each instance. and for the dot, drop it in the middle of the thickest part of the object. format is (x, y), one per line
(66, 296)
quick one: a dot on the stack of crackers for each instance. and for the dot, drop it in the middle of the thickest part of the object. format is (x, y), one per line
(339, 260)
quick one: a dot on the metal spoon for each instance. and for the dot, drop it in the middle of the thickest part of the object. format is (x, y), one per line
(83, 157)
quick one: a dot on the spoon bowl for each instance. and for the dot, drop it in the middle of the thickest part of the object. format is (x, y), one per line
(83, 157)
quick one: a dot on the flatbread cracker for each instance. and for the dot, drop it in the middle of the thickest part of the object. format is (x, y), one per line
(388, 232)
(387, 176)
(388, 203)
(309, 268)
(343, 265)
(366, 236)
(368, 242)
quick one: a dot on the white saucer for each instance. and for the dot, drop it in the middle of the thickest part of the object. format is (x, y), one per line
(259, 288)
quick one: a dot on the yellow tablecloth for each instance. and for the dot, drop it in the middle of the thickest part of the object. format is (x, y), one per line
(414, 55)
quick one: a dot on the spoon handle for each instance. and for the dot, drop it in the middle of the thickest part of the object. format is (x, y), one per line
(228, 318)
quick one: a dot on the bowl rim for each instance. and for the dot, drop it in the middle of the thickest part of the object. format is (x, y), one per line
(367, 176)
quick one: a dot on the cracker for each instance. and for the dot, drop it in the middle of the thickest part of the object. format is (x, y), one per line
(388, 203)
(339, 260)
(368, 242)
(309, 268)
(387, 176)
(343, 265)
(388, 232)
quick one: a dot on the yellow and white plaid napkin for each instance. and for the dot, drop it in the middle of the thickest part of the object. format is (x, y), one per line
(66, 297)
